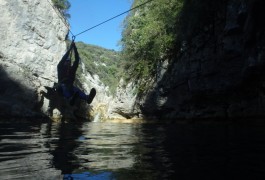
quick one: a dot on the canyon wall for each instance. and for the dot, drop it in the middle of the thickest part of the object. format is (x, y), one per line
(32, 42)
(218, 72)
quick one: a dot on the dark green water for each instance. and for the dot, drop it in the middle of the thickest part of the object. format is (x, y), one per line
(95, 151)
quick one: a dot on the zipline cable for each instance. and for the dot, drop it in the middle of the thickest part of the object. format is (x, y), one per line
(111, 18)
(62, 18)
(74, 36)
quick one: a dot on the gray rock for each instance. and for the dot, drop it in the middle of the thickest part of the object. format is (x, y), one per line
(32, 43)
(218, 76)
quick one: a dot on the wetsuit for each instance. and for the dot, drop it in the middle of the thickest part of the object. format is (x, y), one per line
(67, 73)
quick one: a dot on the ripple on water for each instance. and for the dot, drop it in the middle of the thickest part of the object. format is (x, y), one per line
(83, 150)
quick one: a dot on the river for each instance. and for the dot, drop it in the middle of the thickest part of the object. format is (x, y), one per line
(132, 151)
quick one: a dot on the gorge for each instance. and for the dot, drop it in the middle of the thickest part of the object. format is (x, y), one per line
(184, 99)
(216, 71)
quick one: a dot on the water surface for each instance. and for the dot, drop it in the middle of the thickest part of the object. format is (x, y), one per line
(124, 151)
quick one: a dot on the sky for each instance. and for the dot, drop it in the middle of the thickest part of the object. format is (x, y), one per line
(88, 13)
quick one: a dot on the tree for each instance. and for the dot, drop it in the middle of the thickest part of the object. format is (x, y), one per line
(63, 6)
(149, 34)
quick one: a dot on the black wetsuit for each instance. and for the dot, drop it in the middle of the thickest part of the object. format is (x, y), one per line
(66, 74)
(66, 78)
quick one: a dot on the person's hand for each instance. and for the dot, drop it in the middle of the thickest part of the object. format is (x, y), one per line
(73, 44)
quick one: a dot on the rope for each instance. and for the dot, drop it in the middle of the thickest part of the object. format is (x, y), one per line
(61, 17)
(113, 18)
(74, 36)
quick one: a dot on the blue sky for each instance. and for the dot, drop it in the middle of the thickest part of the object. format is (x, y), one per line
(88, 13)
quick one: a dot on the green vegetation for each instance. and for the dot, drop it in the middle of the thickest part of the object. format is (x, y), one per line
(148, 37)
(152, 33)
(63, 6)
(103, 62)
(160, 30)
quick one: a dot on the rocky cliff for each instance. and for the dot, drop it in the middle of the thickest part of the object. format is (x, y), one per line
(219, 72)
(32, 42)
(120, 105)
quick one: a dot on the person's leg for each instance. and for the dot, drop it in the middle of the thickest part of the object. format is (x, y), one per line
(80, 93)
(77, 93)
(91, 95)
(67, 93)
(88, 98)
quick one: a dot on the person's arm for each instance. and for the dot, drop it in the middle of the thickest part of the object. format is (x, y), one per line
(65, 56)
(77, 59)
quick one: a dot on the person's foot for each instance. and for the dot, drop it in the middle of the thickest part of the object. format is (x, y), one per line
(91, 96)
(73, 98)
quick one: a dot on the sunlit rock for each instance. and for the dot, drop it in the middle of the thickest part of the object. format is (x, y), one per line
(32, 43)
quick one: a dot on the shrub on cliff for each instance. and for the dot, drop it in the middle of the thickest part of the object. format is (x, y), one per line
(149, 35)
(103, 62)
(63, 6)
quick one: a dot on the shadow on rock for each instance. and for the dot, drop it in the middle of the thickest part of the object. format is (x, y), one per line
(16, 100)
(220, 73)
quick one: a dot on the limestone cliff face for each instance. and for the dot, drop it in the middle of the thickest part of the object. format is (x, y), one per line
(105, 106)
(123, 104)
(219, 72)
(32, 42)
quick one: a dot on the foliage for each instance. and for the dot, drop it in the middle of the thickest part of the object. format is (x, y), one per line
(151, 34)
(103, 62)
(162, 29)
(63, 6)
(148, 36)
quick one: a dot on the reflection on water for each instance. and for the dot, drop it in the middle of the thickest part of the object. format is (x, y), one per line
(86, 150)
(23, 154)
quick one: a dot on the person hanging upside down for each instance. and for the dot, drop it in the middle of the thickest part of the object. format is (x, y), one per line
(66, 77)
